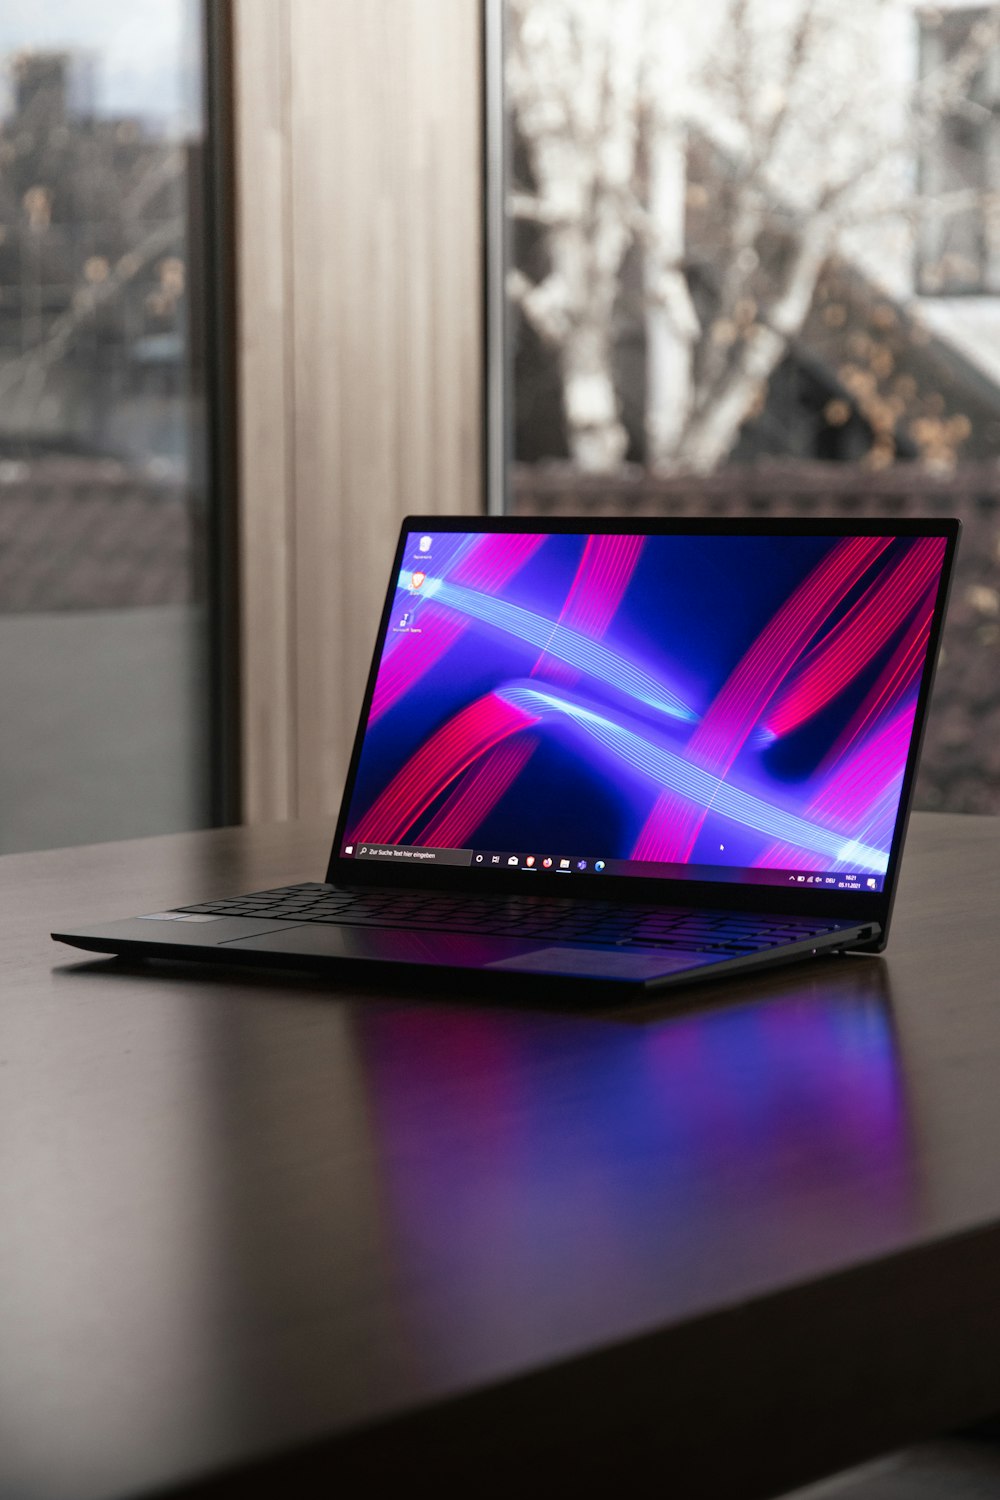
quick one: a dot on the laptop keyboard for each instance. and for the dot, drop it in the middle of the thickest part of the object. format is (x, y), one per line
(565, 921)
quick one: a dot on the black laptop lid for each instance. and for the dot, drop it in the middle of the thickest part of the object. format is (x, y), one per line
(730, 709)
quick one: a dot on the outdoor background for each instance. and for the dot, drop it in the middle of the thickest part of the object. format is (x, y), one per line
(103, 640)
(754, 268)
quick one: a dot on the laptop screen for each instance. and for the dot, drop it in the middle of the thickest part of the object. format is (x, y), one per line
(715, 707)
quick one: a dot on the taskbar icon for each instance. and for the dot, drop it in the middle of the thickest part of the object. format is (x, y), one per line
(557, 864)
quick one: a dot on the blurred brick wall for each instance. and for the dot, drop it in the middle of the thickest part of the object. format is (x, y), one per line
(82, 533)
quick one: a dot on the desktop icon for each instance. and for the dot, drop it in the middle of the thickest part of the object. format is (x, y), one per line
(417, 579)
(425, 544)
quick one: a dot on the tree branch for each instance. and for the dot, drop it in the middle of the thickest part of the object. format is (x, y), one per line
(543, 303)
(32, 367)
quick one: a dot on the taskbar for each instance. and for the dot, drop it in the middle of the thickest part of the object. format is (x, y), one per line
(575, 864)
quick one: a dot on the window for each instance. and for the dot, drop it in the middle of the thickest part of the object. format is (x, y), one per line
(708, 227)
(958, 245)
(104, 422)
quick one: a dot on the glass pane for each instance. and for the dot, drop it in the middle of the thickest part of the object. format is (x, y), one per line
(103, 639)
(735, 233)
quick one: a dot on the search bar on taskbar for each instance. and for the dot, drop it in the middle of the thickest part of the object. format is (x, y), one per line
(413, 854)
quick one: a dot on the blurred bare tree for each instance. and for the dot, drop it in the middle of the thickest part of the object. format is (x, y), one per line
(734, 149)
(93, 228)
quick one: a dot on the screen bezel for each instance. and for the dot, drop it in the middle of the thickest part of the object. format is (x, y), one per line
(667, 891)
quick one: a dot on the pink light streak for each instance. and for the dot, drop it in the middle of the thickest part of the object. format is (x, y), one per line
(493, 559)
(602, 576)
(401, 669)
(900, 677)
(867, 782)
(674, 823)
(460, 742)
(872, 620)
(605, 569)
(487, 565)
(477, 792)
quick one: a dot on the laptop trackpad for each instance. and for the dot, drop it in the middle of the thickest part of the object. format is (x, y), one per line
(465, 950)
(603, 963)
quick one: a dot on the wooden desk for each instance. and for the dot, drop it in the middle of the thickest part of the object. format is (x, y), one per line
(316, 1234)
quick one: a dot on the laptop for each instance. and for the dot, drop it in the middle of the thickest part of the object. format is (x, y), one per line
(634, 752)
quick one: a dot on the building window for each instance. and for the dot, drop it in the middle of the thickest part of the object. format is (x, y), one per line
(105, 500)
(958, 244)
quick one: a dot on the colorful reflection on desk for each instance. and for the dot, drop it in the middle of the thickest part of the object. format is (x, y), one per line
(590, 1167)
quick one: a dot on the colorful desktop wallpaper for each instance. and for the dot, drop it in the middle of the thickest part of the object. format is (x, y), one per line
(714, 702)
